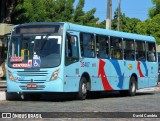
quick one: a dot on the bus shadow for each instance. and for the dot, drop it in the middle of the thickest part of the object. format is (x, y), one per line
(65, 97)
(144, 93)
(116, 94)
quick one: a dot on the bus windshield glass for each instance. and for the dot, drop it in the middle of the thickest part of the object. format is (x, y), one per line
(34, 51)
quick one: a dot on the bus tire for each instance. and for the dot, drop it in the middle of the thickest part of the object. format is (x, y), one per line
(82, 94)
(132, 87)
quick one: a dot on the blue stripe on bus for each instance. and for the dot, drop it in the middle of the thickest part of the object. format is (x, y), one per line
(119, 73)
(145, 66)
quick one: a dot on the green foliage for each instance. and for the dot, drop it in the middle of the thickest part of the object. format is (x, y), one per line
(78, 12)
(29, 11)
(126, 24)
(53, 11)
(63, 10)
(156, 9)
(80, 17)
(150, 27)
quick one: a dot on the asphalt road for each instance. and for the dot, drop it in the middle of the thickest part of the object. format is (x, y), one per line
(144, 101)
(108, 102)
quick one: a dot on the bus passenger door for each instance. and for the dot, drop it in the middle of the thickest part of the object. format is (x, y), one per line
(71, 70)
(152, 64)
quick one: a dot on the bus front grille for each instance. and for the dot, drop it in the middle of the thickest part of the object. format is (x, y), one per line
(32, 73)
(32, 76)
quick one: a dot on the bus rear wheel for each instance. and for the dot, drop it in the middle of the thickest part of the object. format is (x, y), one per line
(82, 89)
(132, 87)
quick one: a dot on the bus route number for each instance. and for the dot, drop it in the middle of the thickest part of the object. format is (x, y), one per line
(85, 64)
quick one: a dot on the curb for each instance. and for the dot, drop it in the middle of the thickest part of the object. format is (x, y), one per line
(2, 95)
(151, 89)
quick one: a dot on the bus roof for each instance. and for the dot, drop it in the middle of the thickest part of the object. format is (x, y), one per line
(111, 32)
(87, 29)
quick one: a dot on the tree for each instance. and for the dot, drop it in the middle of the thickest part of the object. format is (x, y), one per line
(53, 11)
(29, 11)
(6, 9)
(83, 18)
(156, 9)
(126, 24)
(150, 27)
(78, 12)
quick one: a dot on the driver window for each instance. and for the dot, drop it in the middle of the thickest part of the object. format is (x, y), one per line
(71, 49)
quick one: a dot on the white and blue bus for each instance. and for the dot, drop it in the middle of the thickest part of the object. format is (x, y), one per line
(65, 57)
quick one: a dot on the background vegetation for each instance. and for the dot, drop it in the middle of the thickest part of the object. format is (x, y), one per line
(24, 11)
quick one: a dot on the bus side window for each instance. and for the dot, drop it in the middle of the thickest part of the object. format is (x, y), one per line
(71, 49)
(129, 49)
(151, 51)
(116, 47)
(87, 45)
(102, 46)
(140, 50)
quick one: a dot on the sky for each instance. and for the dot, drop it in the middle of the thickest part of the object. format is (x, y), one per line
(131, 8)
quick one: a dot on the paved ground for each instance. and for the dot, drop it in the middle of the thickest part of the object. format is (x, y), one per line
(146, 100)
(151, 89)
(107, 102)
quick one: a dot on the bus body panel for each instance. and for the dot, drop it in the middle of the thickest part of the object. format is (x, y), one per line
(129, 69)
(105, 74)
(41, 78)
(72, 77)
(153, 77)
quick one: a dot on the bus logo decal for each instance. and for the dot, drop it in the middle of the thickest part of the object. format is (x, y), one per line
(31, 80)
(119, 73)
(101, 73)
(130, 66)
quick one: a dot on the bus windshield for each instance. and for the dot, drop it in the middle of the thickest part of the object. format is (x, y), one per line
(34, 51)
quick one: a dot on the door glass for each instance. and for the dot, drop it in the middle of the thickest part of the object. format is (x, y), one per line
(71, 49)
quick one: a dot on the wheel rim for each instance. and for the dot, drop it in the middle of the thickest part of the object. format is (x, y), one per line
(133, 87)
(84, 90)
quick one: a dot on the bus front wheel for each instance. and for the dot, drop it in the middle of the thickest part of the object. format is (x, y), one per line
(82, 89)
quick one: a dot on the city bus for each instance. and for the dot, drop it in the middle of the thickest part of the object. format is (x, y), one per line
(64, 57)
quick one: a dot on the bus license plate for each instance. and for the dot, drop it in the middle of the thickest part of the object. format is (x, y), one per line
(31, 85)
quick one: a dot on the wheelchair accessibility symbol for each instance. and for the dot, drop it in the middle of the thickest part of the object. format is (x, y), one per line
(36, 63)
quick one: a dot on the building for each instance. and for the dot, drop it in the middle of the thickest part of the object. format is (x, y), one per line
(5, 30)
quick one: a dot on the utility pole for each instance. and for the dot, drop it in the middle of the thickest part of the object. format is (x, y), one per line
(109, 14)
(119, 9)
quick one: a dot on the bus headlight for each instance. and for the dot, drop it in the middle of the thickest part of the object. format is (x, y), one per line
(54, 75)
(10, 76)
